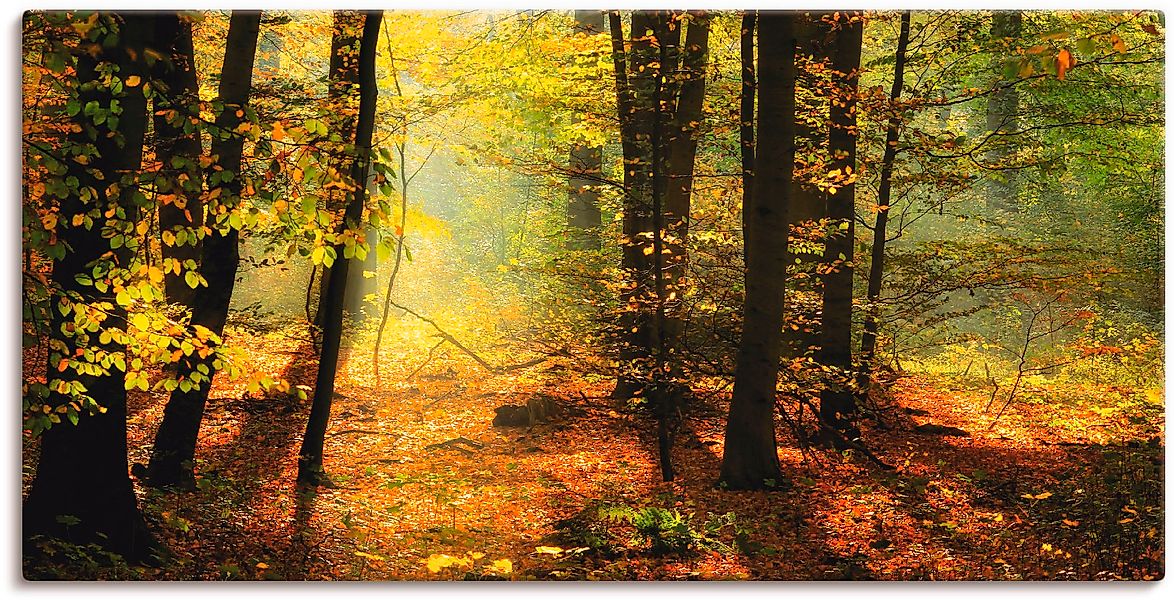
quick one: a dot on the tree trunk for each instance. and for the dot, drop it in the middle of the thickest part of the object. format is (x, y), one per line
(586, 167)
(837, 402)
(680, 153)
(175, 442)
(808, 208)
(310, 470)
(1003, 116)
(82, 491)
(751, 458)
(876, 269)
(178, 150)
(635, 94)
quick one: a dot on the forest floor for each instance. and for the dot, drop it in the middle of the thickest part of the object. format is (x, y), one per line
(1070, 488)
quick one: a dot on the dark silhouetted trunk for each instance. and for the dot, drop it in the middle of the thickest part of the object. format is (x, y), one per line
(82, 491)
(876, 269)
(808, 208)
(175, 442)
(178, 150)
(586, 168)
(636, 82)
(837, 401)
(751, 459)
(680, 153)
(310, 471)
(1002, 115)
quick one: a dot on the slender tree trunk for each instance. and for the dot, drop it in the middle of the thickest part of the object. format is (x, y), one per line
(82, 472)
(680, 150)
(751, 459)
(310, 471)
(175, 442)
(178, 150)
(1003, 116)
(876, 269)
(586, 167)
(837, 402)
(635, 94)
(808, 208)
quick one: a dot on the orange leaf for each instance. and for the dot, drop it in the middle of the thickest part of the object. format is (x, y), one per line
(1064, 61)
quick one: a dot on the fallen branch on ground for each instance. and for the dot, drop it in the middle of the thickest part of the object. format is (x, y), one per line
(447, 337)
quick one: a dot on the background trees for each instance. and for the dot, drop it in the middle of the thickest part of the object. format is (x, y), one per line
(659, 209)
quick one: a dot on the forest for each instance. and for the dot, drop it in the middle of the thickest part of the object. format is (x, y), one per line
(592, 295)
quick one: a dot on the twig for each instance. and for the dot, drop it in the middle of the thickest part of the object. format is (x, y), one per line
(361, 431)
(447, 337)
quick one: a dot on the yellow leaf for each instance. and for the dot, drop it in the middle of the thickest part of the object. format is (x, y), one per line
(1071, 523)
(262, 565)
(436, 562)
(504, 565)
(548, 550)
(132, 81)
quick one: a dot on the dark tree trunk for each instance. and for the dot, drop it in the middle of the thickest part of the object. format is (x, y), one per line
(175, 442)
(310, 470)
(1003, 116)
(808, 208)
(680, 153)
(635, 96)
(876, 269)
(586, 167)
(82, 471)
(751, 459)
(837, 401)
(178, 150)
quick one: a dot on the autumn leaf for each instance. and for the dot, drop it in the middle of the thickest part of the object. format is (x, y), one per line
(1064, 62)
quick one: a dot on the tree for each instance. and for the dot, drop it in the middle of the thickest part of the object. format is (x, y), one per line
(636, 80)
(809, 203)
(837, 402)
(1002, 116)
(82, 491)
(175, 442)
(660, 91)
(177, 151)
(876, 269)
(751, 459)
(310, 470)
(586, 168)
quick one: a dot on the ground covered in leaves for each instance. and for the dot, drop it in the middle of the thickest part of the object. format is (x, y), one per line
(1064, 485)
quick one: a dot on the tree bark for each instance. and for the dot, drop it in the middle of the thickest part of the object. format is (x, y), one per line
(876, 269)
(751, 458)
(82, 472)
(586, 167)
(178, 149)
(837, 401)
(310, 471)
(635, 96)
(680, 153)
(1003, 116)
(808, 208)
(175, 442)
